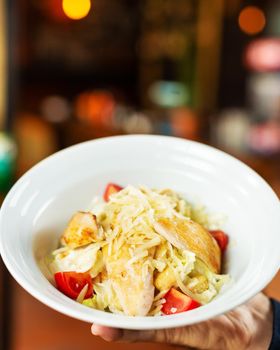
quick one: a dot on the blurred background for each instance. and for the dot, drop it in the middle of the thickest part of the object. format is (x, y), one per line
(76, 70)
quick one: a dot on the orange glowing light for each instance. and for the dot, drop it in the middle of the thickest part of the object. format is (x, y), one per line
(96, 107)
(76, 9)
(251, 20)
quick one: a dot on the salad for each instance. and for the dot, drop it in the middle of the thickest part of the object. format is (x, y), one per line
(140, 252)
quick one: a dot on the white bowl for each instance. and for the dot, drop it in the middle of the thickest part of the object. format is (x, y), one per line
(39, 205)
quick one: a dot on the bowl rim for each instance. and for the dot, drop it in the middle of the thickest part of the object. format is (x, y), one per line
(122, 320)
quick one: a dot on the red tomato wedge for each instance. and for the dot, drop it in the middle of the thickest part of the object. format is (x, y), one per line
(111, 189)
(221, 238)
(177, 302)
(71, 283)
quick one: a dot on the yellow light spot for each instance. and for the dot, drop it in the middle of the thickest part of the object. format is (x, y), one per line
(251, 20)
(76, 9)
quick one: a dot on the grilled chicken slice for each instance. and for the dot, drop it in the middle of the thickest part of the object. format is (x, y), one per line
(135, 294)
(132, 283)
(82, 230)
(79, 260)
(187, 234)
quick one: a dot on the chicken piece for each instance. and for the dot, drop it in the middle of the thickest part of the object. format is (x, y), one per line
(132, 283)
(135, 293)
(165, 279)
(82, 230)
(187, 234)
(78, 260)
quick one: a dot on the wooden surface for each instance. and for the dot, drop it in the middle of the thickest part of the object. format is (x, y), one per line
(36, 327)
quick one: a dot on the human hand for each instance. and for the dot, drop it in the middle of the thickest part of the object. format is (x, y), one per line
(248, 327)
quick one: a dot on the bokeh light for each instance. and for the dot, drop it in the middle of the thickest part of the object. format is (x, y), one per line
(76, 9)
(263, 55)
(55, 109)
(184, 123)
(95, 107)
(168, 93)
(251, 20)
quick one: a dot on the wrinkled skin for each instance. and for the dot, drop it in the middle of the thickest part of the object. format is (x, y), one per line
(247, 327)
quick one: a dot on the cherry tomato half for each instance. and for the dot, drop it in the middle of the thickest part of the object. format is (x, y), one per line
(111, 189)
(221, 238)
(71, 283)
(177, 302)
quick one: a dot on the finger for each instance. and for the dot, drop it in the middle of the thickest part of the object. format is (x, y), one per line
(106, 333)
(115, 334)
(172, 336)
(139, 336)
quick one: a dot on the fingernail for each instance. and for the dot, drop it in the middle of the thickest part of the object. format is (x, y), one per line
(94, 330)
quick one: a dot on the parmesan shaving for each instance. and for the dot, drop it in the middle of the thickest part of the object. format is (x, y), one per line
(82, 294)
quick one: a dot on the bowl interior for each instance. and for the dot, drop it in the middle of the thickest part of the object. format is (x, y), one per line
(39, 206)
